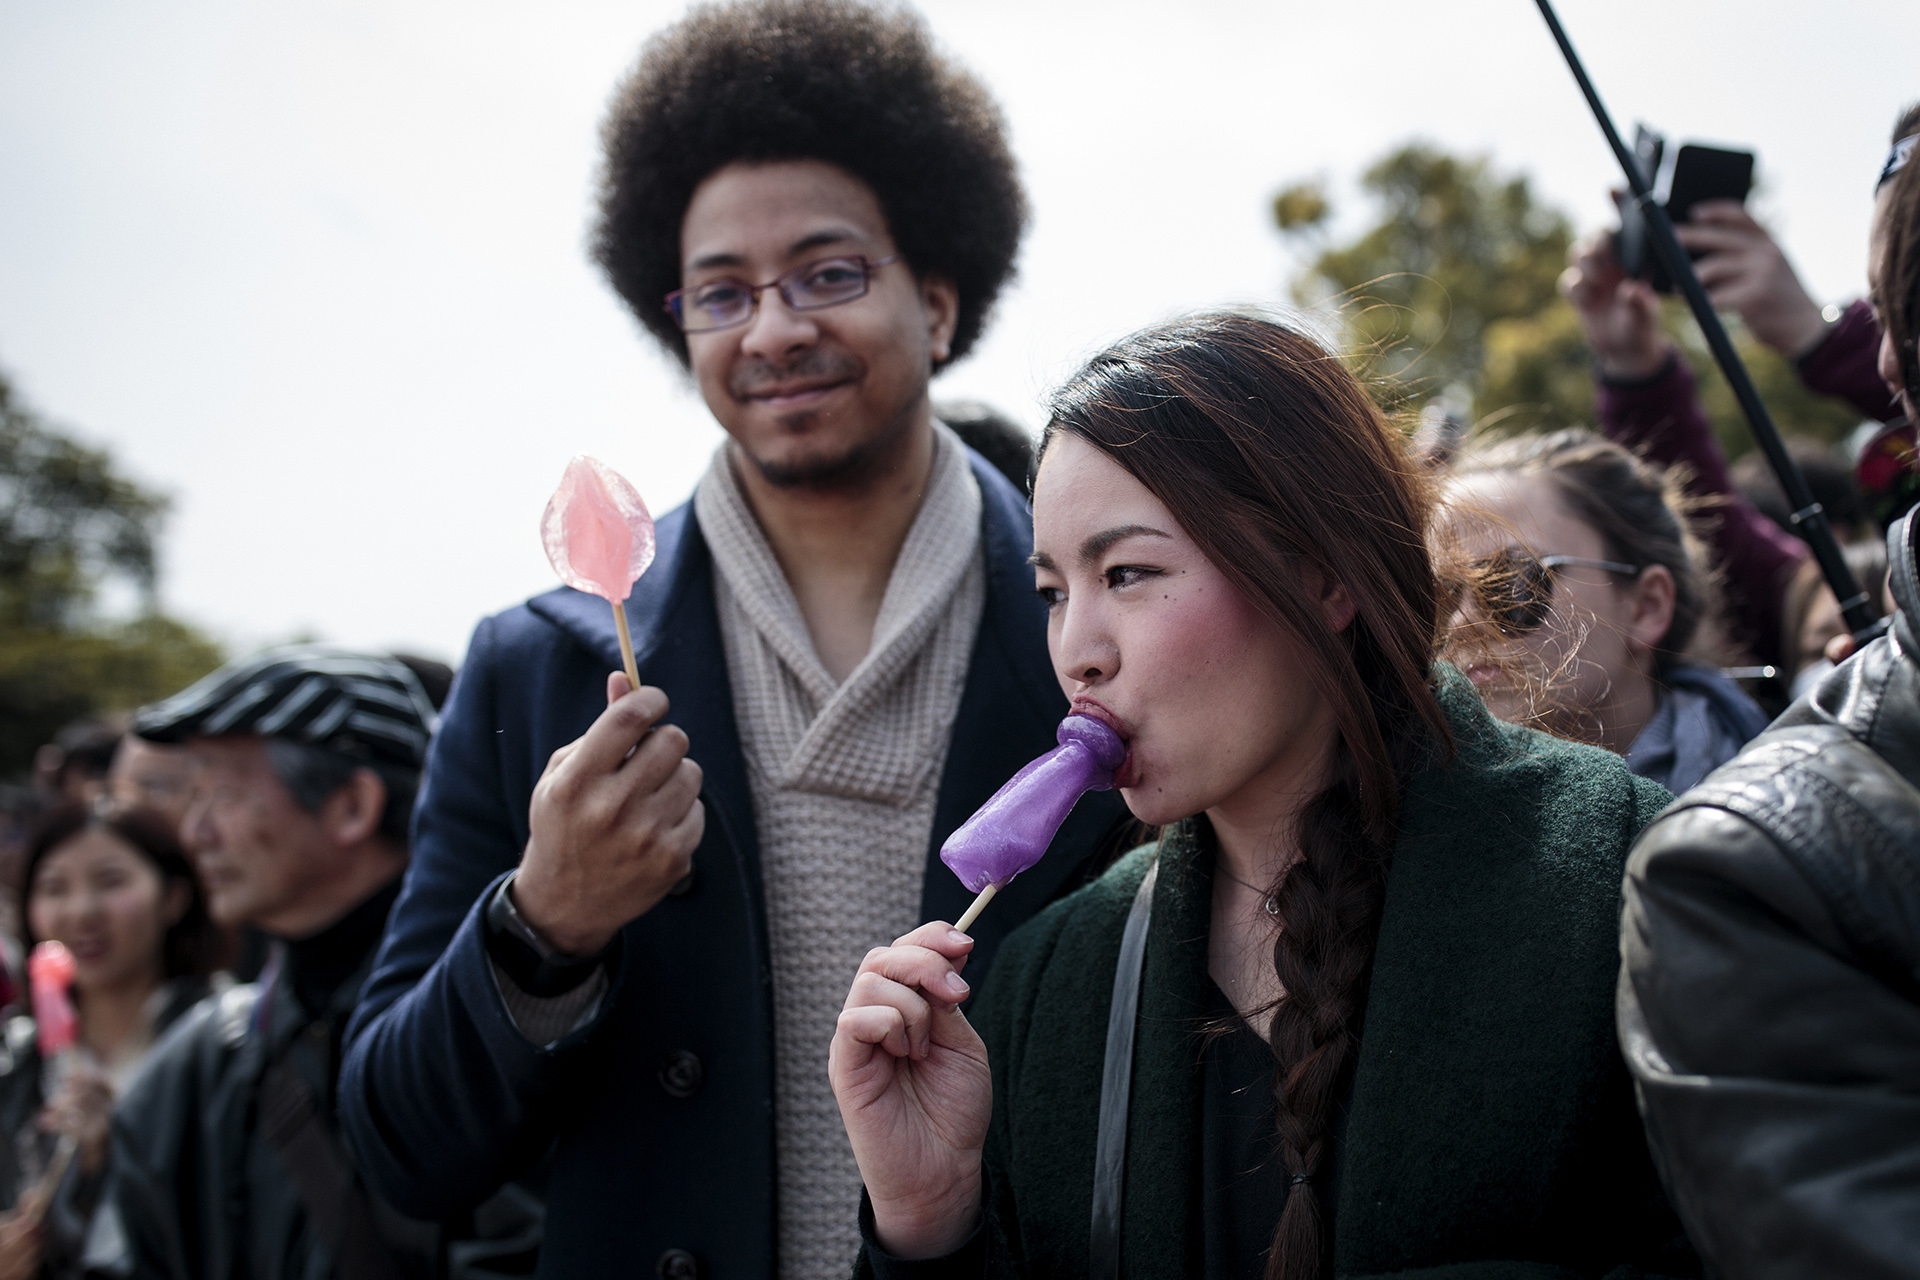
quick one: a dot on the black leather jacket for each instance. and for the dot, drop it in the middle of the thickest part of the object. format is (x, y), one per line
(197, 1192)
(23, 1092)
(1769, 1004)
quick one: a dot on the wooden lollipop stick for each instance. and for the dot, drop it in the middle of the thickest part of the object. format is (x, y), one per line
(979, 905)
(626, 643)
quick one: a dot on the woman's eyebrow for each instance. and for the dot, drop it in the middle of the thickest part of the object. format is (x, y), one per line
(1096, 546)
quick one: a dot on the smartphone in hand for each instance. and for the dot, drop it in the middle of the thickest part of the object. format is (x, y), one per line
(1694, 175)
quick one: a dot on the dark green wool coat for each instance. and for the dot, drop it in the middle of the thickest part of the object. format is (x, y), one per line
(1492, 1130)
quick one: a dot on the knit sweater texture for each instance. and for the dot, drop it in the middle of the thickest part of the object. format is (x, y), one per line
(844, 777)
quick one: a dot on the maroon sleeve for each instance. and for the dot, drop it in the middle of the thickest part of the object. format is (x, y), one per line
(1660, 419)
(1845, 364)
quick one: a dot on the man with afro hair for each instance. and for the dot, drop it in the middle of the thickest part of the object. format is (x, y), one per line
(630, 922)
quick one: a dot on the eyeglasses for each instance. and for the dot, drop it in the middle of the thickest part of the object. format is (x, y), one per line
(721, 304)
(1513, 589)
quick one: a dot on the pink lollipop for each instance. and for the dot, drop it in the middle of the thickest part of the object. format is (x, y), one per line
(599, 539)
(49, 975)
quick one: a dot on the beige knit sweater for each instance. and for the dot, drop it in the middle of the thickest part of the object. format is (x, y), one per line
(844, 779)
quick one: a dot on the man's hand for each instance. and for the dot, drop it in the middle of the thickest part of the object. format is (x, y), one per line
(1620, 316)
(1745, 271)
(614, 823)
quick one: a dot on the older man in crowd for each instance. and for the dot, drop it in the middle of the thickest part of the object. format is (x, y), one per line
(304, 764)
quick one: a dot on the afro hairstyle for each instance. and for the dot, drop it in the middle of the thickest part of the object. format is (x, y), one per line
(854, 86)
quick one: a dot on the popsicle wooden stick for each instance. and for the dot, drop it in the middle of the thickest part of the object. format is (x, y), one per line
(626, 644)
(49, 1181)
(979, 905)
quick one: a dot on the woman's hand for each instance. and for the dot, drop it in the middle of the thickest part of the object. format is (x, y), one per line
(911, 1077)
(1621, 317)
(82, 1110)
(20, 1238)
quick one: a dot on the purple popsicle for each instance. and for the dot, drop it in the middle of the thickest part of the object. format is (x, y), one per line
(1010, 832)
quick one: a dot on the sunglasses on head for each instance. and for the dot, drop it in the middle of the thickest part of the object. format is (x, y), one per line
(1513, 588)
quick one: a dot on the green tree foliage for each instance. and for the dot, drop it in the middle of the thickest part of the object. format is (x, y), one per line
(1456, 250)
(69, 524)
(1455, 283)
(1301, 207)
(66, 522)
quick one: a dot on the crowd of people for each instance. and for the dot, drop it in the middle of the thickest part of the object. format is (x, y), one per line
(378, 972)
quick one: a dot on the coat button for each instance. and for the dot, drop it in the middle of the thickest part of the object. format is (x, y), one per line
(681, 1075)
(677, 1264)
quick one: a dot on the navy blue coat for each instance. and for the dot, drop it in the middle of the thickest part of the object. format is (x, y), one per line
(443, 1099)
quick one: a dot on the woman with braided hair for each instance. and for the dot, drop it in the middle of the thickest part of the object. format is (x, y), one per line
(1373, 948)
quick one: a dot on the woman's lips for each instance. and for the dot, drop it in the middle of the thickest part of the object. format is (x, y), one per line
(1094, 709)
(1128, 774)
(1484, 675)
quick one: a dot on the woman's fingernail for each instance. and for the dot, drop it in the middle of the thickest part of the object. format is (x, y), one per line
(957, 938)
(956, 983)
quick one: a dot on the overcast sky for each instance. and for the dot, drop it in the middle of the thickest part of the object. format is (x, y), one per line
(316, 270)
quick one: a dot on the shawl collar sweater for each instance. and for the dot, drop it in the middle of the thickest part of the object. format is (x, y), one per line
(1492, 1130)
(843, 778)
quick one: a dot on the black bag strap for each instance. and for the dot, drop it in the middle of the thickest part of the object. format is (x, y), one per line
(336, 1204)
(1116, 1087)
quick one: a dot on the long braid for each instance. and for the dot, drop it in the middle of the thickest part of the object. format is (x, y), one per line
(1328, 907)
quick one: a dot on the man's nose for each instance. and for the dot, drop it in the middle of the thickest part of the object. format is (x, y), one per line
(776, 329)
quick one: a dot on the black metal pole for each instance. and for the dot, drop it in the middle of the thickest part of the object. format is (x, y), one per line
(1809, 517)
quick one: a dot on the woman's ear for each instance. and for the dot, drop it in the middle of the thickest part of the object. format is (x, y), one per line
(179, 898)
(1653, 602)
(1337, 604)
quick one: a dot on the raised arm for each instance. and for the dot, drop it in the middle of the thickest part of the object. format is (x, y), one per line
(447, 1091)
(439, 1089)
(1745, 270)
(1646, 400)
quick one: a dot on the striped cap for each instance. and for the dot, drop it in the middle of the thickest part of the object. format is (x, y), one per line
(364, 706)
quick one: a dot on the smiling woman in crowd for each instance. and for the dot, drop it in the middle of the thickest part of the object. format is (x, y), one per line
(121, 895)
(1374, 1027)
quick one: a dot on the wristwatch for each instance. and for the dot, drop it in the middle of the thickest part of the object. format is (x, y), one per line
(534, 964)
